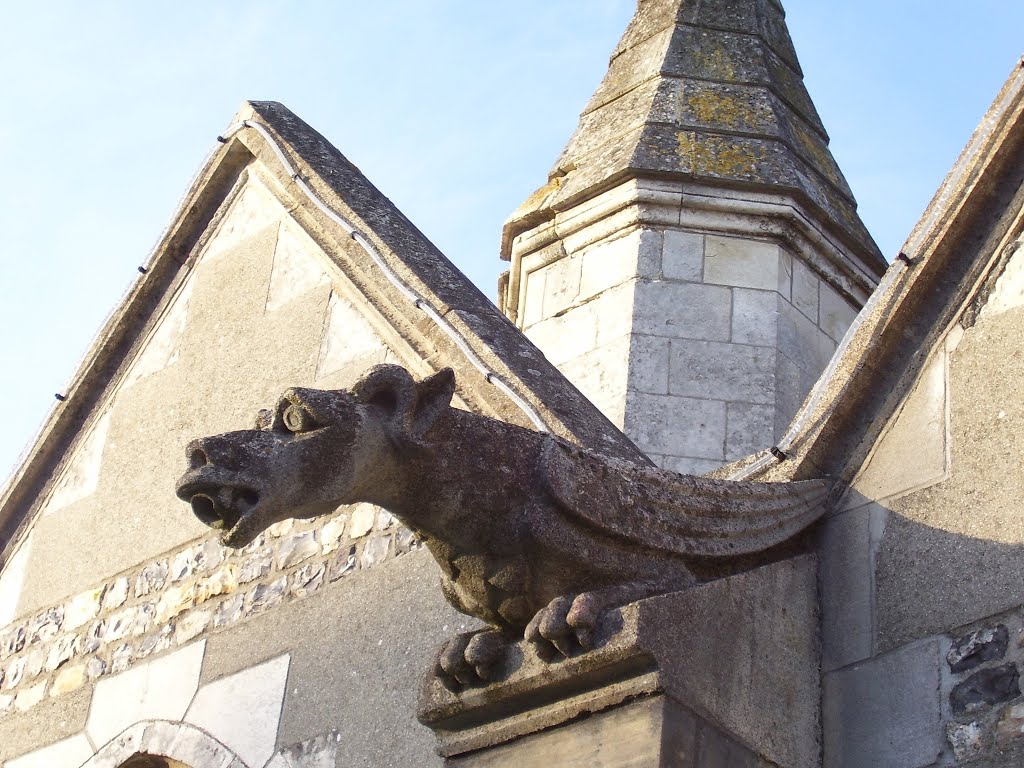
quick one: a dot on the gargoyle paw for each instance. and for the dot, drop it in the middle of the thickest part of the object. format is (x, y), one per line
(470, 659)
(565, 626)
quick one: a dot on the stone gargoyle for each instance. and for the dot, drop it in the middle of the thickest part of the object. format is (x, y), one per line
(534, 536)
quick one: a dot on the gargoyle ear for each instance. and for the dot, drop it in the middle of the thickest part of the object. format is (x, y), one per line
(433, 395)
(413, 407)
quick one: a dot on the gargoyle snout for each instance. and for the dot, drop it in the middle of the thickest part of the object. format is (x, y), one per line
(217, 451)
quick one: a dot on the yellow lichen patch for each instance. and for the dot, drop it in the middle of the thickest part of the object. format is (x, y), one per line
(720, 109)
(715, 157)
(716, 64)
(819, 155)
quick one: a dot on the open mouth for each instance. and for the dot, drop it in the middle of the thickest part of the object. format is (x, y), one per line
(222, 508)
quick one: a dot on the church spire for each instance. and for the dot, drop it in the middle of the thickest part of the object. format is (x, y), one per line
(696, 253)
(710, 90)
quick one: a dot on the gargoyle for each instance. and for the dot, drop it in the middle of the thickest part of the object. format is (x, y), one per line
(534, 536)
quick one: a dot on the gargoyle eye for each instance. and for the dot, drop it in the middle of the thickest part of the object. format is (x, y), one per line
(298, 419)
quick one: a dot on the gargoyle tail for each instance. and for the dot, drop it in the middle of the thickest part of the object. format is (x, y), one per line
(679, 514)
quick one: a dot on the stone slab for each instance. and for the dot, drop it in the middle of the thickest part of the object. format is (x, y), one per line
(69, 752)
(652, 732)
(251, 731)
(885, 711)
(161, 689)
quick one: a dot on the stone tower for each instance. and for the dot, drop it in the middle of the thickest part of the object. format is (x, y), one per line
(696, 254)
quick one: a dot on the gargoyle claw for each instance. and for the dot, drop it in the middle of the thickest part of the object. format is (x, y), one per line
(565, 626)
(470, 659)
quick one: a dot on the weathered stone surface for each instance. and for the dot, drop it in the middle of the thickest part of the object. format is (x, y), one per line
(29, 697)
(978, 647)
(69, 679)
(333, 534)
(264, 596)
(82, 608)
(160, 689)
(255, 566)
(249, 731)
(900, 729)
(191, 625)
(1010, 726)
(985, 688)
(967, 740)
(307, 580)
(318, 752)
(375, 550)
(296, 549)
(12, 641)
(115, 595)
(62, 651)
(151, 579)
(362, 520)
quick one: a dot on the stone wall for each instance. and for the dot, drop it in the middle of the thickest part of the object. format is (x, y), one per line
(173, 599)
(923, 561)
(700, 346)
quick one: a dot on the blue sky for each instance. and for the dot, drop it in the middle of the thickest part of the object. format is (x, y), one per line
(456, 110)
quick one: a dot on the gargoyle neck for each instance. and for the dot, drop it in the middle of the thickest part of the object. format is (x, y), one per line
(470, 465)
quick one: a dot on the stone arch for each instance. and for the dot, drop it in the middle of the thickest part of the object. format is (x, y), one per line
(163, 744)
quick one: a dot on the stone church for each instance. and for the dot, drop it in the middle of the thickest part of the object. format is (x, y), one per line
(692, 298)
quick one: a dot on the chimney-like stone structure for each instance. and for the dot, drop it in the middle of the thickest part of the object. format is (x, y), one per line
(696, 254)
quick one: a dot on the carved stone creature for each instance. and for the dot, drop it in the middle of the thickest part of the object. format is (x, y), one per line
(533, 535)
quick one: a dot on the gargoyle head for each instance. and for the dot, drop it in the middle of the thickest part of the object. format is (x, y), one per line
(311, 452)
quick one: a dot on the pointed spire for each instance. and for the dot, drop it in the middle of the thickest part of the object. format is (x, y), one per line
(709, 90)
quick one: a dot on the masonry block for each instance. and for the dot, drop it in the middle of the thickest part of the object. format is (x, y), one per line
(683, 256)
(562, 284)
(835, 314)
(755, 317)
(682, 311)
(732, 372)
(676, 426)
(805, 290)
(743, 263)
(749, 429)
(885, 711)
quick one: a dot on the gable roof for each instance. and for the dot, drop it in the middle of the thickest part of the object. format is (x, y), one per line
(432, 305)
(945, 272)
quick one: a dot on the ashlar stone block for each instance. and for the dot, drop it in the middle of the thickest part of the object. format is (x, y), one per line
(563, 338)
(602, 374)
(161, 689)
(561, 284)
(750, 428)
(885, 711)
(744, 263)
(250, 731)
(69, 752)
(613, 263)
(683, 256)
(682, 311)
(755, 317)
(802, 341)
(835, 313)
(676, 426)
(649, 364)
(805, 290)
(730, 372)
